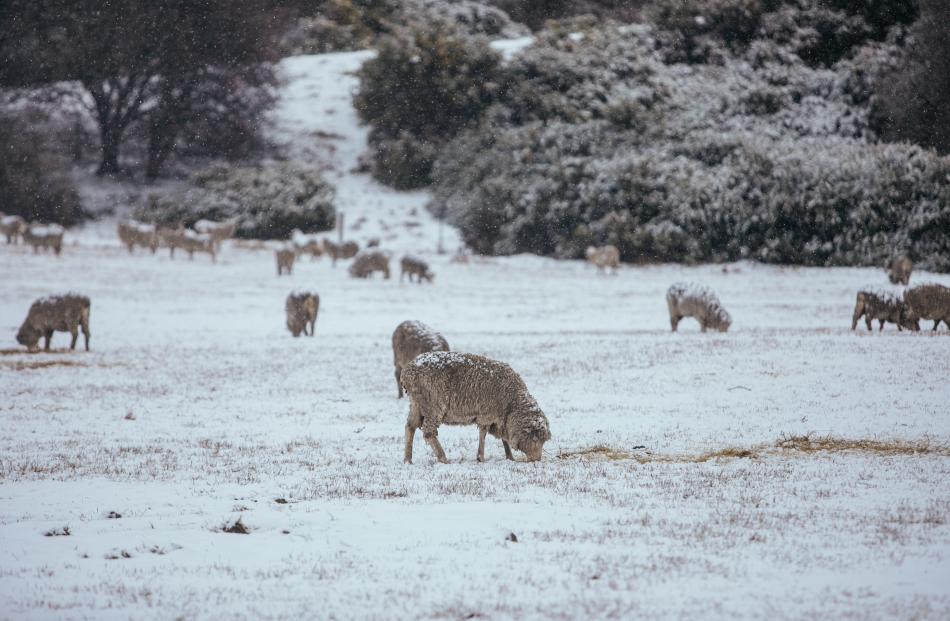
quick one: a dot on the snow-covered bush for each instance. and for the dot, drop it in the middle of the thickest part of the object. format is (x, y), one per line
(35, 178)
(404, 162)
(427, 84)
(269, 201)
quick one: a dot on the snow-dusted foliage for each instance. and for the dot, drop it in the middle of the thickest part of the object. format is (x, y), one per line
(759, 156)
(269, 201)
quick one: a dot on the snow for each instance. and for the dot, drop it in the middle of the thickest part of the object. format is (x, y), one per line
(508, 48)
(196, 407)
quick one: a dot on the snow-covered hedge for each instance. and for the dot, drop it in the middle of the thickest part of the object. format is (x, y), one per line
(759, 155)
(270, 200)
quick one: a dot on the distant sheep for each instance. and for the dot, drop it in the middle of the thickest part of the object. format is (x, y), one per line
(928, 301)
(603, 257)
(12, 227)
(874, 304)
(285, 260)
(899, 270)
(61, 313)
(414, 266)
(693, 300)
(132, 234)
(302, 311)
(346, 250)
(464, 389)
(47, 237)
(410, 339)
(218, 231)
(306, 244)
(370, 261)
(190, 241)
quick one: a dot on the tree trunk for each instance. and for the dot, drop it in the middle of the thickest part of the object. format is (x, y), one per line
(110, 139)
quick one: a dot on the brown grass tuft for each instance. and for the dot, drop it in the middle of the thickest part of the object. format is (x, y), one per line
(238, 528)
(814, 444)
(24, 365)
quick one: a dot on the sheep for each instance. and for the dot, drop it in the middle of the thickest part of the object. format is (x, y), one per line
(693, 300)
(48, 236)
(462, 389)
(12, 227)
(410, 339)
(132, 234)
(62, 313)
(370, 261)
(302, 311)
(899, 270)
(873, 304)
(306, 244)
(603, 257)
(219, 231)
(344, 250)
(285, 260)
(927, 301)
(190, 241)
(415, 266)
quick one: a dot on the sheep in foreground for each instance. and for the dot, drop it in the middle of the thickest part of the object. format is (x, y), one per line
(345, 250)
(370, 261)
(604, 257)
(899, 270)
(928, 301)
(190, 241)
(465, 389)
(693, 300)
(48, 237)
(302, 311)
(61, 313)
(414, 266)
(306, 244)
(132, 234)
(12, 227)
(410, 339)
(874, 304)
(285, 260)
(218, 231)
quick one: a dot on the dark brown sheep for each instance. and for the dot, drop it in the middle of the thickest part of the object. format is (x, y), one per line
(59, 313)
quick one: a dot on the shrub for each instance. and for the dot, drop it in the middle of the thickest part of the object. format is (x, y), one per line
(35, 177)
(425, 85)
(405, 162)
(269, 201)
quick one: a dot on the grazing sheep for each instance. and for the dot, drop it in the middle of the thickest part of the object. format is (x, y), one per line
(873, 304)
(927, 301)
(285, 260)
(190, 241)
(12, 227)
(62, 313)
(693, 300)
(346, 250)
(415, 266)
(463, 389)
(604, 257)
(899, 270)
(132, 234)
(47, 237)
(370, 261)
(306, 244)
(302, 311)
(218, 231)
(410, 339)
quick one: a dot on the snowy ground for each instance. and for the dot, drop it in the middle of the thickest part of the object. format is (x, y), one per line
(195, 408)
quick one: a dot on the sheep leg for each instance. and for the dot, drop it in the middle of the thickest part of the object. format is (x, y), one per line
(48, 336)
(936, 323)
(674, 321)
(482, 431)
(398, 383)
(881, 328)
(430, 431)
(412, 423)
(867, 321)
(75, 334)
(508, 454)
(85, 335)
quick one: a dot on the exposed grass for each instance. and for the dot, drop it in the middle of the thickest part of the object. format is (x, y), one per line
(805, 444)
(23, 365)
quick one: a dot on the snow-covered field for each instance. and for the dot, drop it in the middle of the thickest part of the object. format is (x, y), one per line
(677, 484)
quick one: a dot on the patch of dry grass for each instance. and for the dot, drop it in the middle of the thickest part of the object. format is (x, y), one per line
(804, 445)
(29, 365)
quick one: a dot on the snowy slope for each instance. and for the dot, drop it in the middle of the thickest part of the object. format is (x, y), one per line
(195, 408)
